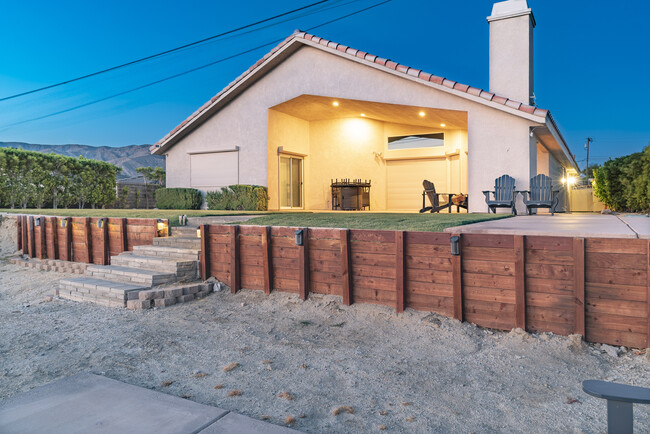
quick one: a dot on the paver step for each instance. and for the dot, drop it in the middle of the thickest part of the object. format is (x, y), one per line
(179, 242)
(155, 263)
(168, 252)
(134, 276)
(100, 291)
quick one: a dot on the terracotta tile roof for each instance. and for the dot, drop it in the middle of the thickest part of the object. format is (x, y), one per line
(421, 75)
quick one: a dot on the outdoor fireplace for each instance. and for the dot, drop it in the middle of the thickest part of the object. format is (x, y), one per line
(350, 194)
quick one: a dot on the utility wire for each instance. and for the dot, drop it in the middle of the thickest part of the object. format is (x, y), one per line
(241, 53)
(153, 56)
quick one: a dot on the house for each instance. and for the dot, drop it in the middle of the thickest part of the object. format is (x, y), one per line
(312, 111)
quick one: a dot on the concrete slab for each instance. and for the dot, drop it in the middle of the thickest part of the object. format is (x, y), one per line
(87, 403)
(564, 225)
(234, 423)
(639, 223)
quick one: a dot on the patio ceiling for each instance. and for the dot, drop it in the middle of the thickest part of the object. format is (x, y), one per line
(314, 108)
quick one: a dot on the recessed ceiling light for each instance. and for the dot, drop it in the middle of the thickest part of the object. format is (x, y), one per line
(443, 125)
(421, 114)
(335, 103)
(363, 115)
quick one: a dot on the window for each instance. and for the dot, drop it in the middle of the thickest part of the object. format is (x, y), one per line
(416, 141)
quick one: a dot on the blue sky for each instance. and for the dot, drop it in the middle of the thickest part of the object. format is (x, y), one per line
(592, 61)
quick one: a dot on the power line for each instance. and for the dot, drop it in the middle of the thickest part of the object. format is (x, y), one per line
(162, 53)
(241, 53)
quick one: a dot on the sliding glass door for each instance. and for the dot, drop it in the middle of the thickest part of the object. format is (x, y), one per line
(290, 182)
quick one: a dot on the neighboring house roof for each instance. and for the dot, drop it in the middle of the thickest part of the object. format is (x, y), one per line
(299, 37)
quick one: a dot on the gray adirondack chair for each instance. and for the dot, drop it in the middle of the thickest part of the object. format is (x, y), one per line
(434, 198)
(541, 194)
(504, 194)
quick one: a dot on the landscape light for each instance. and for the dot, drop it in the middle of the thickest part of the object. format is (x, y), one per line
(299, 237)
(198, 233)
(160, 224)
(64, 223)
(455, 245)
(37, 221)
(100, 223)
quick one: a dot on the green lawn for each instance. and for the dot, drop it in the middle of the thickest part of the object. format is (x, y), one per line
(389, 221)
(171, 214)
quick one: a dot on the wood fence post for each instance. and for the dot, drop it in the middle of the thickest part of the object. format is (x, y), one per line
(579, 285)
(89, 240)
(205, 251)
(43, 234)
(106, 252)
(55, 238)
(457, 280)
(520, 281)
(30, 236)
(234, 259)
(25, 235)
(123, 236)
(303, 265)
(346, 269)
(399, 271)
(19, 232)
(648, 301)
(267, 259)
(68, 239)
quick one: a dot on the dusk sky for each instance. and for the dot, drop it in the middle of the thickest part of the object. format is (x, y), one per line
(592, 61)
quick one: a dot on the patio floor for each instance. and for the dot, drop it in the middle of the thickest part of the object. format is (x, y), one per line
(564, 225)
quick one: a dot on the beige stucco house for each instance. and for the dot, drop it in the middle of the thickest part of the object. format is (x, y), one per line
(313, 110)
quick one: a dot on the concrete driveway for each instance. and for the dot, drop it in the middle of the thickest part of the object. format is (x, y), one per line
(564, 225)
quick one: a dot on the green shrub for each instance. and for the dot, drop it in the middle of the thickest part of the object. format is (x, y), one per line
(239, 197)
(623, 184)
(178, 198)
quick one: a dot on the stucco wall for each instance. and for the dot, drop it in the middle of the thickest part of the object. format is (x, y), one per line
(497, 142)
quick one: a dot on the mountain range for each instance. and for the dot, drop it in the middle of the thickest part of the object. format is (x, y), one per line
(128, 158)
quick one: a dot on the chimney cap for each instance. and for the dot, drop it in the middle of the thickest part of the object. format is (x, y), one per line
(510, 9)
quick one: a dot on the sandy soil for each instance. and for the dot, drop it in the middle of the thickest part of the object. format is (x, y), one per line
(408, 373)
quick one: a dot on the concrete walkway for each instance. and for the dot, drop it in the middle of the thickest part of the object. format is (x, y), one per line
(87, 403)
(564, 225)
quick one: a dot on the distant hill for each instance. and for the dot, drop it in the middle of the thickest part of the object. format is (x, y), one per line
(128, 158)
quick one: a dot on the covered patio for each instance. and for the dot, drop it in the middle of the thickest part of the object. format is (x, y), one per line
(316, 140)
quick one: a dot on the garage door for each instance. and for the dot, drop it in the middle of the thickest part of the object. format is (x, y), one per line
(404, 181)
(212, 170)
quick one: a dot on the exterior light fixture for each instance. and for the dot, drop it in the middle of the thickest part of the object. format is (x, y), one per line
(64, 223)
(100, 223)
(421, 114)
(570, 180)
(455, 245)
(363, 115)
(335, 103)
(563, 180)
(443, 125)
(37, 221)
(198, 233)
(160, 224)
(300, 237)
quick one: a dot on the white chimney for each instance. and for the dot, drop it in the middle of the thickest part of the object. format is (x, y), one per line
(511, 50)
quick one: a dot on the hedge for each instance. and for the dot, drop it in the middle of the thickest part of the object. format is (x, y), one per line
(239, 197)
(178, 198)
(623, 184)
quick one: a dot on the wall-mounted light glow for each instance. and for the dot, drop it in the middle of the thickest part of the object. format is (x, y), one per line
(335, 103)
(363, 115)
(421, 114)
(443, 125)
(570, 180)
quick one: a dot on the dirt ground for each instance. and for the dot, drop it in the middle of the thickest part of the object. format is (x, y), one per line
(411, 372)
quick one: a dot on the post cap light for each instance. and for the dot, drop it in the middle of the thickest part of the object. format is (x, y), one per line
(300, 237)
(455, 245)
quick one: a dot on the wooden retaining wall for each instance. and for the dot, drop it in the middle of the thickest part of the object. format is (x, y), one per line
(80, 239)
(596, 287)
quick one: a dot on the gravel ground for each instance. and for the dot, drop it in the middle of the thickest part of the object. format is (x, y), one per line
(412, 372)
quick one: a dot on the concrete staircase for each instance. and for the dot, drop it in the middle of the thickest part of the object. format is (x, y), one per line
(170, 260)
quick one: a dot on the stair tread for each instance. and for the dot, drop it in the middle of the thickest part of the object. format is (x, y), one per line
(166, 249)
(152, 258)
(127, 270)
(104, 283)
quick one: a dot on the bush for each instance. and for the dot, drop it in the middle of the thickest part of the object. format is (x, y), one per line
(623, 184)
(239, 197)
(178, 198)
